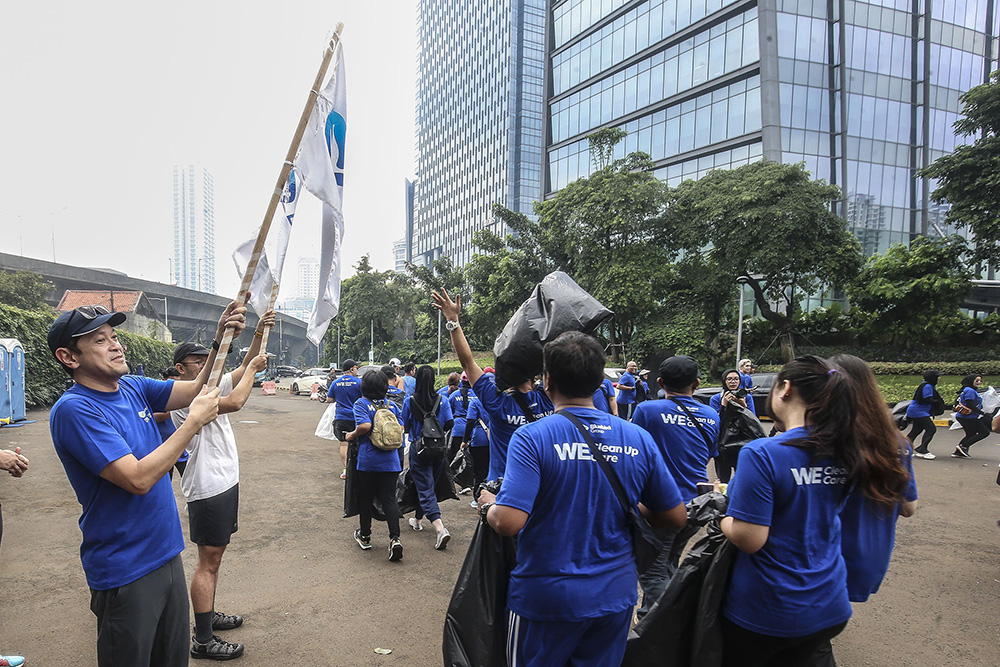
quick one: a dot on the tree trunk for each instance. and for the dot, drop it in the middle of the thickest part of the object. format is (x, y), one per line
(787, 346)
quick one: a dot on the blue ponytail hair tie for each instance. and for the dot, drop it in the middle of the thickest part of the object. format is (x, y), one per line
(831, 372)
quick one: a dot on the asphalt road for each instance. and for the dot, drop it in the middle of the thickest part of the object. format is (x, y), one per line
(311, 597)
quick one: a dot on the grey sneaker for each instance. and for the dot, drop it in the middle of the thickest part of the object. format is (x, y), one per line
(215, 649)
(226, 621)
(442, 540)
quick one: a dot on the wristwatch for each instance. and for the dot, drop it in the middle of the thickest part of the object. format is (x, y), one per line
(485, 509)
(451, 325)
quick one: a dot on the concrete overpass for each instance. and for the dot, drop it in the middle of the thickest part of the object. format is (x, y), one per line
(189, 314)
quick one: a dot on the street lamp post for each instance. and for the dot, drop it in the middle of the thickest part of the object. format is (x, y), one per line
(742, 280)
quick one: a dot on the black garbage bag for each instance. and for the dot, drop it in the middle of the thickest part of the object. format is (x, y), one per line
(683, 628)
(737, 427)
(461, 469)
(556, 305)
(475, 626)
(406, 489)
(351, 484)
(899, 414)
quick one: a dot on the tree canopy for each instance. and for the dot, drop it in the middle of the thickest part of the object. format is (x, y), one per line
(969, 178)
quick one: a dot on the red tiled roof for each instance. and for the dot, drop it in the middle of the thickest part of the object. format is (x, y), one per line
(123, 301)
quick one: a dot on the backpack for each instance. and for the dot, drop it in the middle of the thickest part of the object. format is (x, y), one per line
(432, 444)
(936, 402)
(386, 433)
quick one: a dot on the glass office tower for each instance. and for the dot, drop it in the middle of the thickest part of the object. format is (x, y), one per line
(865, 93)
(479, 121)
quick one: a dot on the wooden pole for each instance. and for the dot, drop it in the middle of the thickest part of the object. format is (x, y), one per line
(258, 247)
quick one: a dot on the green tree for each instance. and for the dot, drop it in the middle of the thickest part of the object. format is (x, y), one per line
(770, 222)
(24, 289)
(909, 290)
(969, 177)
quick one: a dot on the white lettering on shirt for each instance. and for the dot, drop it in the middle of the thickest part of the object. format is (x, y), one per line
(819, 475)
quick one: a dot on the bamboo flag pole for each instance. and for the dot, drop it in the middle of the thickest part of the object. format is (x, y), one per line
(258, 246)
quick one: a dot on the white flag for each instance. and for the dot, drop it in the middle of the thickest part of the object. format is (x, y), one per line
(272, 260)
(321, 164)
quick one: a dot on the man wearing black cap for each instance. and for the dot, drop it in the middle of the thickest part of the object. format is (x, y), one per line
(105, 436)
(211, 485)
(344, 392)
(686, 432)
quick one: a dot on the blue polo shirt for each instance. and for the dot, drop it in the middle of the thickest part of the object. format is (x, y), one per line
(370, 457)
(626, 388)
(505, 416)
(125, 536)
(796, 584)
(346, 390)
(680, 442)
(601, 396)
(564, 572)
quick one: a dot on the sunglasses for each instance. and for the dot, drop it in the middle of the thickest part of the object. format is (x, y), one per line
(87, 313)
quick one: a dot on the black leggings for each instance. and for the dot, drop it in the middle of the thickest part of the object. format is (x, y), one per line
(381, 485)
(745, 648)
(925, 424)
(975, 430)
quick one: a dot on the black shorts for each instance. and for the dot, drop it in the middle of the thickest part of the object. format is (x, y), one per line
(341, 427)
(213, 520)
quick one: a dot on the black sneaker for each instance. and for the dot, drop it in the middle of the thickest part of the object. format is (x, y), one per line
(961, 453)
(395, 550)
(215, 649)
(226, 621)
(365, 542)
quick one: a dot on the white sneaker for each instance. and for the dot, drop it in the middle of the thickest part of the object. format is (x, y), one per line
(474, 504)
(415, 524)
(927, 456)
(442, 539)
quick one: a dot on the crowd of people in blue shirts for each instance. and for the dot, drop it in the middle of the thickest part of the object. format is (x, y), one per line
(812, 509)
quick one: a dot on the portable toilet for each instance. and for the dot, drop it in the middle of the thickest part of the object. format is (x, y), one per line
(12, 404)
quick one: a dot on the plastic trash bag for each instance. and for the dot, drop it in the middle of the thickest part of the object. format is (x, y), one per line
(556, 305)
(475, 626)
(406, 490)
(324, 429)
(461, 469)
(899, 414)
(955, 424)
(351, 483)
(737, 426)
(683, 627)
(991, 401)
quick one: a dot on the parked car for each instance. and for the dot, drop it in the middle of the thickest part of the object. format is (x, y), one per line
(287, 372)
(762, 383)
(303, 384)
(613, 374)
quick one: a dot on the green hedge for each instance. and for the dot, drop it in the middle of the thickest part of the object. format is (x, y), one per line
(44, 379)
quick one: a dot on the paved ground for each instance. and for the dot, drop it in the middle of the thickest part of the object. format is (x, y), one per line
(311, 597)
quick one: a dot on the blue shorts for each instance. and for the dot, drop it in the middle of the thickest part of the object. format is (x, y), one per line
(588, 642)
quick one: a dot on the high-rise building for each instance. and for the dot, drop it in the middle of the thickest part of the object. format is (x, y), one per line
(479, 120)
(865, 93)
(308, 278)
(399, 256)
(193, 264)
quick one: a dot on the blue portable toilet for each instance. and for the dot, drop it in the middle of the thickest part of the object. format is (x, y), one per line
(12, 404)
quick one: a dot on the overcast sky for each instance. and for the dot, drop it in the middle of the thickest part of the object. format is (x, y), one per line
(102, 98)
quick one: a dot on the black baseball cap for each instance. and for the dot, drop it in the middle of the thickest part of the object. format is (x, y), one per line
(80, 322)
(349, 364)
(679, 371)
(186, 349)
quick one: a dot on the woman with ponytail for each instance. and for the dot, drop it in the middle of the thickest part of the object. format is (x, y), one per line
(788, 590)
(883, 490)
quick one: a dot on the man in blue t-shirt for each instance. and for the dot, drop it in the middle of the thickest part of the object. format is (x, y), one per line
(745, 368)
(409, 378)
(105, 436)
(604, 398)
(572, 591)
(344, 391)
(674, 424)
(626, 390)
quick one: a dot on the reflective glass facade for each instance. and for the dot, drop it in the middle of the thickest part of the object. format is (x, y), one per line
(865, 93)
(479, 121)
(193, 262)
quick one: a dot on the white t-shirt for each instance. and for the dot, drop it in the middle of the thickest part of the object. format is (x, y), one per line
(214, 463)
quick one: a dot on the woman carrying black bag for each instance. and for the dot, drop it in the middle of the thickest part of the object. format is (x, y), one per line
(426, 463)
